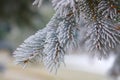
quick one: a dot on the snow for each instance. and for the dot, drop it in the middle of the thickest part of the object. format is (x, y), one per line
(85, 63)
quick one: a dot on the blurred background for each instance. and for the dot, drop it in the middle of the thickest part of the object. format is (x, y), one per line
(18, 20)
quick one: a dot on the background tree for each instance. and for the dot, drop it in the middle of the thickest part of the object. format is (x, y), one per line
(18, 13)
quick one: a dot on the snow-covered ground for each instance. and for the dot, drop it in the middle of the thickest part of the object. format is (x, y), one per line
(85, 63)
(78, 67)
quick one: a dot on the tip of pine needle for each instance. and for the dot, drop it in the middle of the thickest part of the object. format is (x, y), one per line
(24, 66)
(37, 2)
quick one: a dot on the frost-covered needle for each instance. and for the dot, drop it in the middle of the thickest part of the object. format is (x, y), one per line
(37, 2)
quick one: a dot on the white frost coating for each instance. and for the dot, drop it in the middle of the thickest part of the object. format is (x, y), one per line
(62, 5)
(32, 48)
(68, 34)
(54, 53)
(37, 2)
(107, 10)
(102, 38)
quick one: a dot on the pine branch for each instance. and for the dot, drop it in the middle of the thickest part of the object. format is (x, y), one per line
(32, 48)
(54, 53)
(37, 2)
(102, 34)
(103, 37)
(108, 9)
(65, 32)
(63, 7)
(68, 33)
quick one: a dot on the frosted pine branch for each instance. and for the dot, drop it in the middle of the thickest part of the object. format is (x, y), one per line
(37, 2)
(62, 7)
(108, 9)
(32, 48)
(103, 37)
(54, 53)
(67, 31)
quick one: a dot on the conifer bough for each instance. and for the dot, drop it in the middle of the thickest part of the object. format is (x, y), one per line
(64, 32)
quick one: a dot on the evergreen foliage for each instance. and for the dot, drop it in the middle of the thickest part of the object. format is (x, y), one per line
(64, 32)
